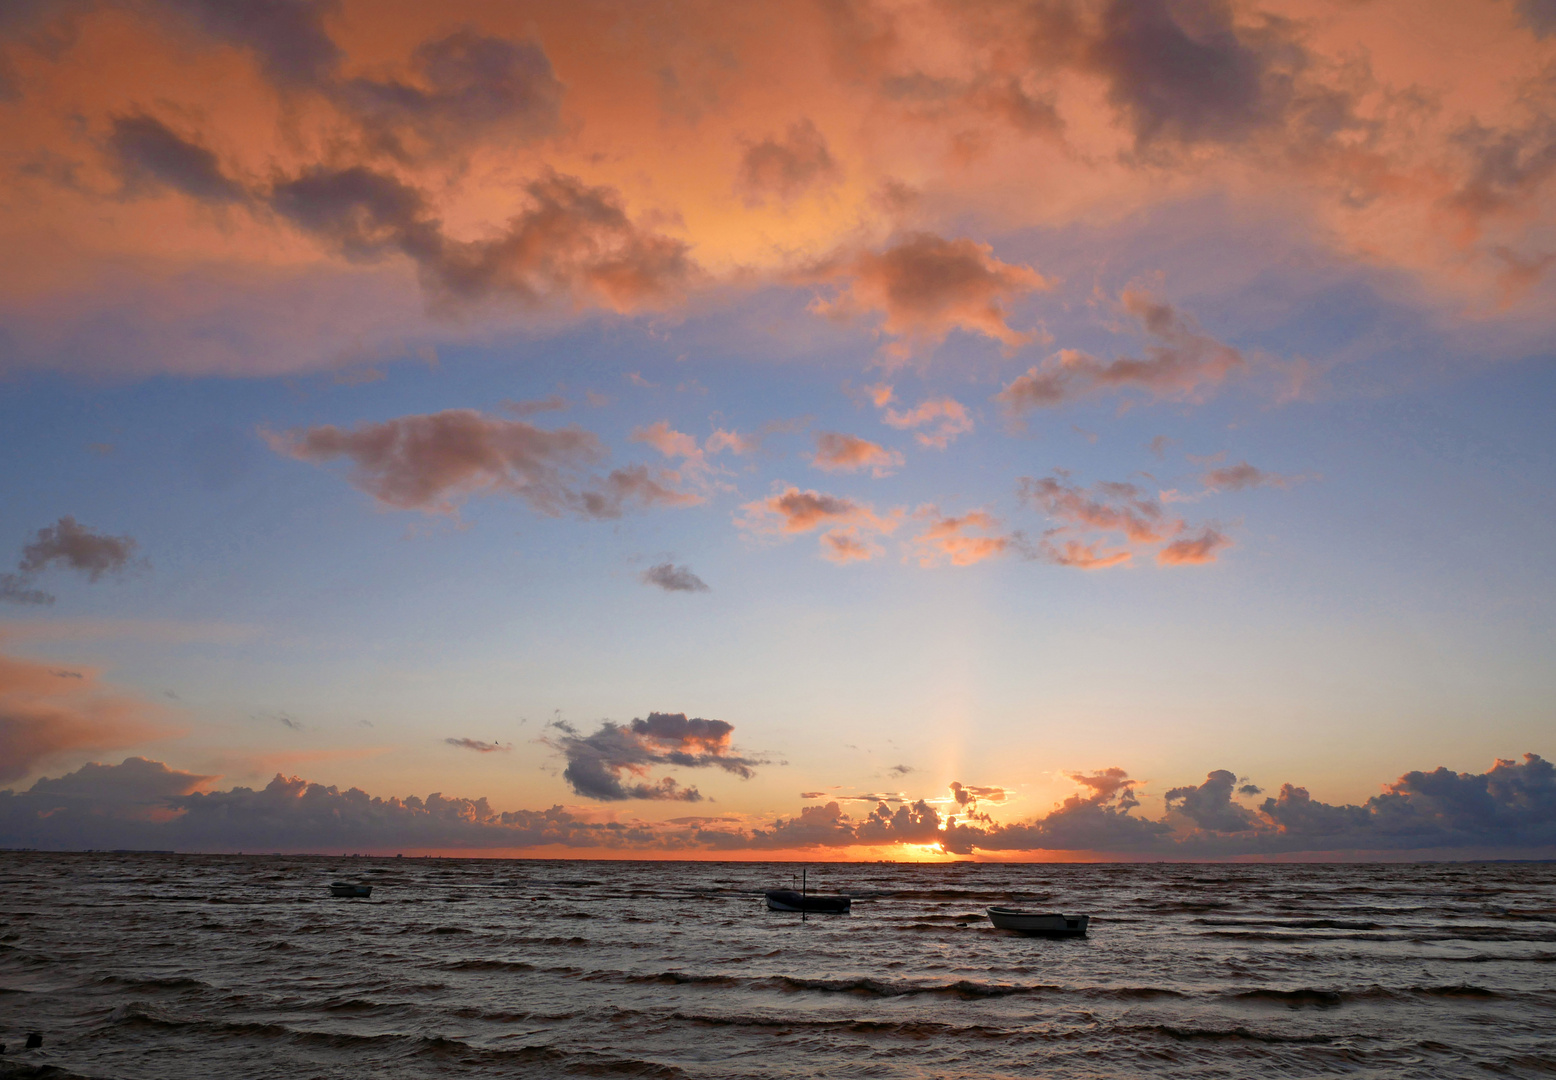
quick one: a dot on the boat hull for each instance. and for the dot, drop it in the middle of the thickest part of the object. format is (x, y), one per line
(789, 900)
(1038, 923)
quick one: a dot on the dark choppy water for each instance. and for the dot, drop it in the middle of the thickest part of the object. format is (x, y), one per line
(163, 967)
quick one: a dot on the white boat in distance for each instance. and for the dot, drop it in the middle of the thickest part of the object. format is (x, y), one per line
(1032, 922)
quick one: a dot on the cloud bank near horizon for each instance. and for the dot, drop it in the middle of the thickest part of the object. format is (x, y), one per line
(1510, 808)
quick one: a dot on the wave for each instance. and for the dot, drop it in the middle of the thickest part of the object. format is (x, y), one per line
(1308, 998)
(174, 983)
(1238, 1033)
(486, 965)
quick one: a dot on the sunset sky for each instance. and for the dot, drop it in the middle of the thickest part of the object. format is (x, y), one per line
(738, 430)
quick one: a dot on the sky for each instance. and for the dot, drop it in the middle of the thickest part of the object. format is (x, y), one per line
(825, 429)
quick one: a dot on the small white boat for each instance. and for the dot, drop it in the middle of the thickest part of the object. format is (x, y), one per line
(346, 888)
(1032, 922)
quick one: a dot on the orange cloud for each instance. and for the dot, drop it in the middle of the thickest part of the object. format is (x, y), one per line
(946, 417)
(433, 461)
(952, 539)
(926, 286)
(1183, 364)
(836, 452)
(47, 711)
(1202, 547)
(848, 545)
(546, 158)
(1086, 519)
(851, 525)
(669, 442)
(789, 167)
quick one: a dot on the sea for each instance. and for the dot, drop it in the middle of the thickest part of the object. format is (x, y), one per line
(166, 966)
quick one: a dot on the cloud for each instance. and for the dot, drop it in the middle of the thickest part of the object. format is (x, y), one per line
(1509, 808)
(148, 152)
(466, 87)
(1242, 477)
(786, 168)
(1210, 806)
(287, 36)
(899, 770)
(953, 539)
(432, 462)
(75, 546)
(969, 794)
(69, 544)
(946, 417)
(1538, 15)
(46, 712)
(1183, 364)
(673, 578)
(794, 511)
(925, 287)
(1204, 546)
(851, 526)
(478, 746)
(836, 452)
(669, 442)
(1109, 523)
(1188, 73)
(521, 409)
(596, 763)
(573, 245)
(17, 589)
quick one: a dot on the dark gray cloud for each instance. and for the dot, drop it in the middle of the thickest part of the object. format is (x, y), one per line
(786, 168)
(1210, 805)
(148, 152)
(900, 770)
(1538, 15)
(1185, 71)
(597, 763)
(673, 578)
(112, 806)
(288, 37)
(465, 86)
(1509, 808)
